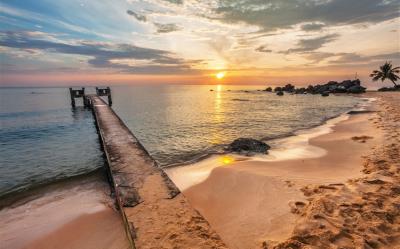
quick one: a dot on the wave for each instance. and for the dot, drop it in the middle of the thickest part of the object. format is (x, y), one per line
(220, 149)
(22, 192)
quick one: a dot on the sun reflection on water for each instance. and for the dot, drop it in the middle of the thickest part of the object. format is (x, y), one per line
(218, 115)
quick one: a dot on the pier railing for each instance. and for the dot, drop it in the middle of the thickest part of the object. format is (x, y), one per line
(80, 93)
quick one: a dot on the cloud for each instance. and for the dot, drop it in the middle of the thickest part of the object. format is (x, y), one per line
(263, 49)
(166, 28)
(351, 58)
(317, 57)
(312, 26)
(102, 55)
(278, 14)
(309, 45)
(175, 1)
(139, 17)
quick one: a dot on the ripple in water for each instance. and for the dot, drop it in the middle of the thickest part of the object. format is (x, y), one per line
(181, 123)
(43, 140)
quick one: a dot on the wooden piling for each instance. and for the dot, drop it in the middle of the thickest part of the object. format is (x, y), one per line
(105, 92)
(80, 93)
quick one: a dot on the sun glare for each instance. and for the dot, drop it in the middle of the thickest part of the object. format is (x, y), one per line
(227, 159)
(220, 75)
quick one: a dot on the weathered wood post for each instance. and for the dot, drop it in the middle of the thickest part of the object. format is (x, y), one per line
(105, 92)
(109, 96)
(77, 94)
(72, 97)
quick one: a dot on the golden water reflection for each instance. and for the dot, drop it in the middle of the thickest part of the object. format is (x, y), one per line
(218, 115)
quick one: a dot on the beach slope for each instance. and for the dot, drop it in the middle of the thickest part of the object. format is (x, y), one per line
(346, 196)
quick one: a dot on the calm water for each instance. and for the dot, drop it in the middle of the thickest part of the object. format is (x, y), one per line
(43, 140)
(181, 123)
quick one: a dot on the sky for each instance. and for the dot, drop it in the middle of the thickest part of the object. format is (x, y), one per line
(269, 42)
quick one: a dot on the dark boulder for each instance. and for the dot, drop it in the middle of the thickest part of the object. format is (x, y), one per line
(325, 94)
(278, 89)
(389, 89)
(356, 82)
(340, 89)
(332, 88)
(346, 84)
(301, 90)
(384, 89)
(268, 89)
(280, 93)
(288, 88)
(248, 145)
(356, 89)
(332, 83)
(322, 89)
(310, 89)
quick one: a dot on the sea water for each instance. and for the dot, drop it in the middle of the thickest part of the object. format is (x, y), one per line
(44, 140)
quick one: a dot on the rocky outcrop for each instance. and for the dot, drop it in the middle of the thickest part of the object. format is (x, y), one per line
(248, 145)
(346, 86)
(356, 89)
(389, 89)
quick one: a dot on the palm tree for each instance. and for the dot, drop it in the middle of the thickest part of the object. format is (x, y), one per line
(386, 72)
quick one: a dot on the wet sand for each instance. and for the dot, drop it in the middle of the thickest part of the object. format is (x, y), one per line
(75, 214)
(268, 203)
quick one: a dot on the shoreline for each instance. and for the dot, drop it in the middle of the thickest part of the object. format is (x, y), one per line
(69, 214)
(281, 145)
(253, 203)
(24, 194)
(219, 149)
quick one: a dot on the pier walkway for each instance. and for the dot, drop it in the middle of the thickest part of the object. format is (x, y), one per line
(155, 213)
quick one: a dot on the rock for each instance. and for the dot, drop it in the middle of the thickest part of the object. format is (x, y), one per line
(288, 88)
(346, 83)
(330, 83)
(325, 94)
(384, 89)
(354, 112)
(356, 82)
(247, 145)
(310, 89)
(268, 89)
(301, 90)
(340, 89)
(389, 89)
(332, 88)
(356, 89)
(346, 86)
(323, 88)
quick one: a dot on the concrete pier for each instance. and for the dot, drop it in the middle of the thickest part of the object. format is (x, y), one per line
(155, 213)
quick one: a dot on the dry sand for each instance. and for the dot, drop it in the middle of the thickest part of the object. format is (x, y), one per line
(347, 197)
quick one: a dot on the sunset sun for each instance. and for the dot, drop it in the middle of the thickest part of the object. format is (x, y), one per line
(220, 75)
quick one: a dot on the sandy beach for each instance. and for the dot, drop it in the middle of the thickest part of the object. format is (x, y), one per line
(79, 213)
(342, 194)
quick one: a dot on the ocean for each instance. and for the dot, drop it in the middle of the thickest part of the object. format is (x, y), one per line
(43, 140)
